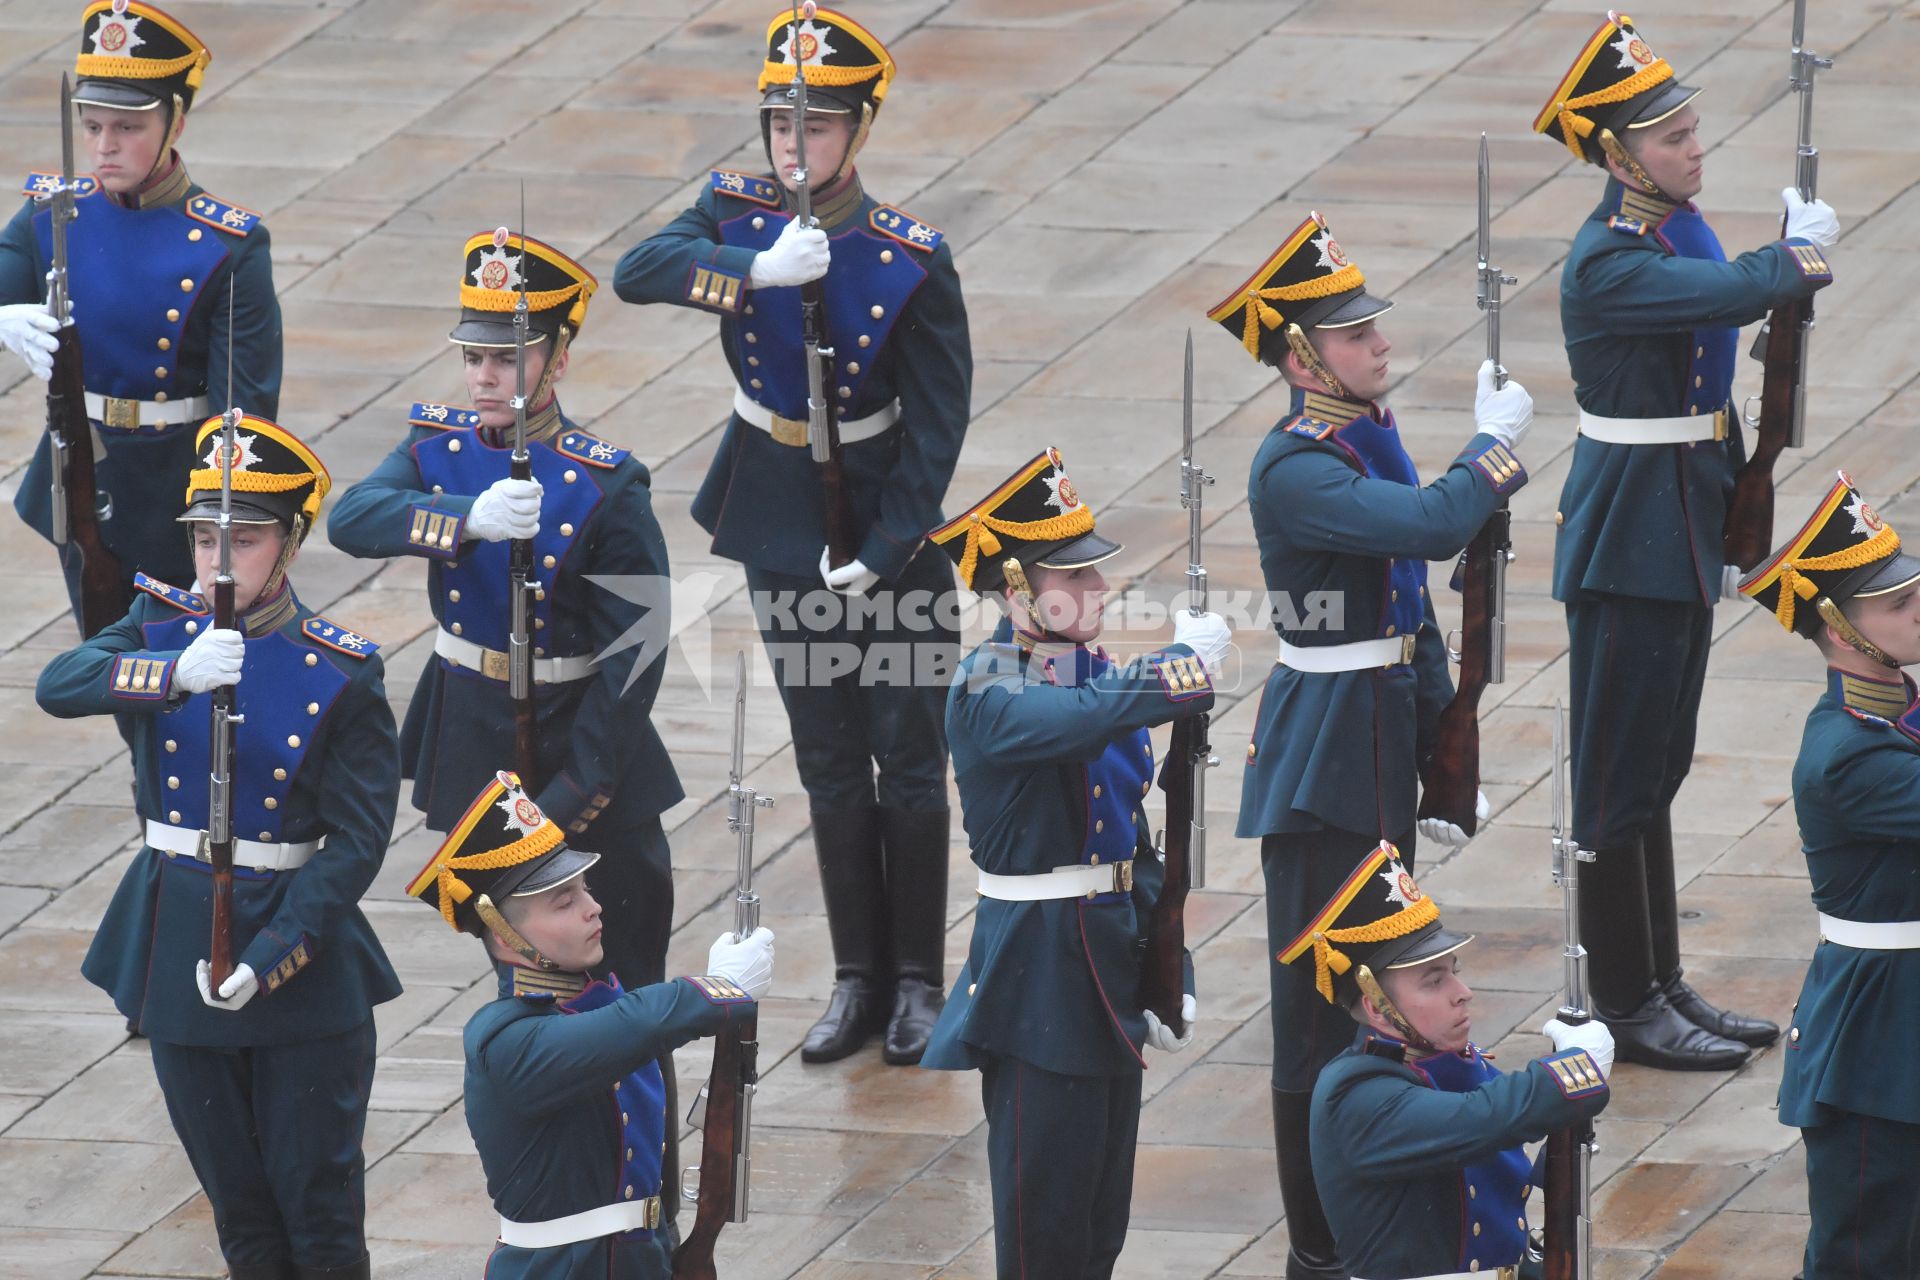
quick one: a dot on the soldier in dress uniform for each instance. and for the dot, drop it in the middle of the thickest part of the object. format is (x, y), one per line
(167, 280)
(1416, 1136)
(445, 494)
(1349, 713)
(1844, 582)
(266, 1078)
(1051, 753)
(1651, 310)
(864, 680)
(575, 1170)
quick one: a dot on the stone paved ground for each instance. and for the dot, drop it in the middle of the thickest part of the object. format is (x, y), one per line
(1106, 169)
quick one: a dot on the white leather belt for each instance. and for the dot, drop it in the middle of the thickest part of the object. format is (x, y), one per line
(1684, 430)
(1359, 655)
(125, 415)
(1061, 882)
(793, 431)
(1889, 935)
(189, 843)
(492, 663)
(607, 1220)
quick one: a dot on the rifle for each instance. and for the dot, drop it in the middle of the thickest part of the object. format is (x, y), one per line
(724, 1108)
(1184, 779)
(823, 420)
(1781, 346)
(221, 765)
(103, 595)
(521, 587)
(1569, 1154)
(1452, 786)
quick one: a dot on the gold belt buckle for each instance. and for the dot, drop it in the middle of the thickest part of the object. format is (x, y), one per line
(791, 432)
(653, 1213)
(1720, 423)
(1406, 651)
(1123, 876)
(493, 664)
(121, 415)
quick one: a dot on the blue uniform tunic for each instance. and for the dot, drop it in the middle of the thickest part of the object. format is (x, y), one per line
(1418, 1159)
(1053, 762)
(1345, 532)
(269, 1100)
(151, 291)
(604, 774)
(1856, 794)
(554, 1138)
(1651, 309)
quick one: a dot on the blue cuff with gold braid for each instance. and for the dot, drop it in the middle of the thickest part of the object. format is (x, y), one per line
(1576, 1073)
(1502, 470)
(279, 970)
(1183, 677)
(435, 532)
(718, 990)
(142, 679)
(712, 287)
(1807, 259)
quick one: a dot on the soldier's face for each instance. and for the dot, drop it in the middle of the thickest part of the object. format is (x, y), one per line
(122, 146)
(563, 923)
(1671, 153)
(1358, 357)
(1069, 603)
(1434, 998)
(827, 139)
(490, 380)
(256, 549)
(1892, 622)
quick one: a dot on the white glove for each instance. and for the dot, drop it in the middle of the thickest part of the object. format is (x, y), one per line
(241, 986)
(1207, 634)
(851, 579)
(1504, 413)
(1161, 1036)
(506, 509)
(1447, 833)
(213, 659)
(1592, 1036)
(1812, 220)
(799, 255)
(27, 329)
(1730, 576)
(747, 965)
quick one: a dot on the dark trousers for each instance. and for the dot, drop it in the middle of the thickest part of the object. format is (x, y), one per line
(633, 882)
(1303, 871)
(1060, 1151)
(1864, 1199)
(866, 695)
(273, 1133)
(1637, 669)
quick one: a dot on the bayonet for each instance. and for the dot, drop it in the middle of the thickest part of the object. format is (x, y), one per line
(521, 587)
(223, 750)
(1568, 1254)
(1193, 483)
(1489, 292)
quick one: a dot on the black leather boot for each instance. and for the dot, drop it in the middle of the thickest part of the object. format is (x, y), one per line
(1614, 927)
(1655, 1034)
(1311, 1252)
(280, 1270)
(361, 1270)
(1664, 917)
(915, 845)
(852, 880)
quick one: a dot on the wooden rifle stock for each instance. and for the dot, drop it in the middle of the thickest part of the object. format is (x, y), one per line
(1164, 981)
(1749, 529)
(1561, 1224)
(1450, 788)
(520, 576)
(220, 851)
(837, 512)
(104, 598)
(734, 1052)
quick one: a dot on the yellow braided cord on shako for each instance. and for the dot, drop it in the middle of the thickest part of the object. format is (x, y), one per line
(1795, 586)
(507, 299)
(100, 66)
(454, 890)
(1261, 315)
(1574, 127)
(826, 77)
(1327, 961)
(981, 528)
(207, 480)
